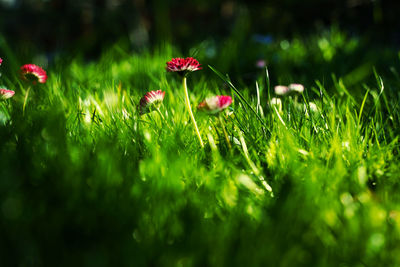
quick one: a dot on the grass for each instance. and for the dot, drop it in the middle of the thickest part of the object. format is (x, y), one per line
(85, 180)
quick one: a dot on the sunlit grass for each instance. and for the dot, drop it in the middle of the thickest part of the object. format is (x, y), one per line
(83, 171)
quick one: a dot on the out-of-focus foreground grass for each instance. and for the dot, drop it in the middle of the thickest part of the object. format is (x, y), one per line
(85, 180)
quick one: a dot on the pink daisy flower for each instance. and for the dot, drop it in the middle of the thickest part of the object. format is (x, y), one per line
(33, 73)
(215, 104)
(183, 65)
(281, 90)
(149, 100)
(6, 94)
(296, 87)
(1, 60)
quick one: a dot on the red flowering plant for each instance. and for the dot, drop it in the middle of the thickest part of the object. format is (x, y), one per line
(214, 105)
(151, 101)
(6, 94)
(4, 105)
(184, 66)
(33, 74)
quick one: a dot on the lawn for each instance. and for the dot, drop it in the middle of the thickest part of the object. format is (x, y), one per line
(311, 179)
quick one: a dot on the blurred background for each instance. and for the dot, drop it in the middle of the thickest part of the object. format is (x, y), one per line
(92, 25)
(245, 34)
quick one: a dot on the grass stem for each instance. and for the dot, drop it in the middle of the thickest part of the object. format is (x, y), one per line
(224, 130)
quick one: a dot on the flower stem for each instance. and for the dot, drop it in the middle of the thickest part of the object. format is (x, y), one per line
(163, 122)
(159, 113)
(25, 100)
(190, 110)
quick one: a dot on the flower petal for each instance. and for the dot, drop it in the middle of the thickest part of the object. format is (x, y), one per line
(33, 73)
(149, 100)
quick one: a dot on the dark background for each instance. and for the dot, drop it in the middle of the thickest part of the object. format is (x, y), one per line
(91, 26)
(230, 35)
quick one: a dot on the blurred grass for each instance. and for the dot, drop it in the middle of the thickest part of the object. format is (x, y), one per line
(85, 180)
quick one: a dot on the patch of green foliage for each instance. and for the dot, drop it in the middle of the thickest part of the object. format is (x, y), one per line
(85, 180)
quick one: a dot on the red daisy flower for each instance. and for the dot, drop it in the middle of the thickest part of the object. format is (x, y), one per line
(215, 104)
(6, 94)
(33, 73)
(183, 65)
(149, 100)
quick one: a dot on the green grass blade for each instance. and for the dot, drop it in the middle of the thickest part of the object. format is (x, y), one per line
(242, 98)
